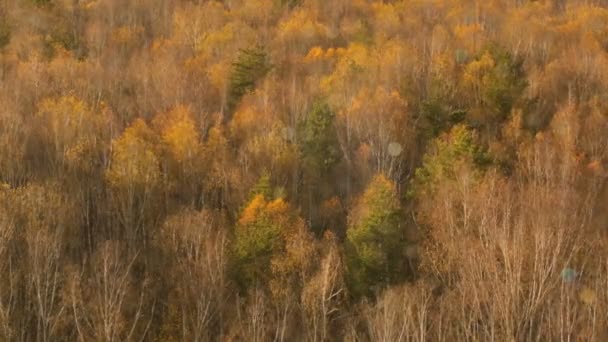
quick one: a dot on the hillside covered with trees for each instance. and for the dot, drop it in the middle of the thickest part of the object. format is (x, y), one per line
(303, 170)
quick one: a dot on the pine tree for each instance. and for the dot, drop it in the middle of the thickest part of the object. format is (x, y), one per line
(251, 65)
(320, 153)
(375, 238)
(257, 238)
(319, 142)
(262, 187)
(446, 154)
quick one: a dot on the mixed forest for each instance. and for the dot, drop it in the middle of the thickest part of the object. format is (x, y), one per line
(303, 170)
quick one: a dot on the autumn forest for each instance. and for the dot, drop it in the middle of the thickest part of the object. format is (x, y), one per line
(303, 170)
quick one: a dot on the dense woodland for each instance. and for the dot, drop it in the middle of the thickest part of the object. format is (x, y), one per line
(303, 170)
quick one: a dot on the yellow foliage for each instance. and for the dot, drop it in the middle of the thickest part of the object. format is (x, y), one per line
(277, 210)
(63, 113)
(356, 57)
(442, 66)
(179, 133)
(277, 207)
(314, 54)
(192, 24)
(477, 71)
(127, 34)
(386, 18)
(251, 212)
(317, 53)
(273, 151)
(218, 75)
(256, 11)
(218, 160)
(470, 35)
(214, 40)
(296, 261)
(302, 25)
(83, 156)
(382, 65)
(134, 160)
(182, 139)
(350, 27)
(67, 121)
(247, 120)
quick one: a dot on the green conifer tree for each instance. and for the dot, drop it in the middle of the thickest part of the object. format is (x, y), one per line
(250, 66)
(375, 238)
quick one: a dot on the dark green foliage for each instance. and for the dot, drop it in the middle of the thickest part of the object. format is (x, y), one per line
(509, 83)
(433, 114)
(375, 239)
(250, 66)
(5, 32)
(447, 153)
(457, 116)
(262, 187)
(257, 239)
(505, 84)
(318, 141)
(319, 153)
(437, 117)
(290, 3)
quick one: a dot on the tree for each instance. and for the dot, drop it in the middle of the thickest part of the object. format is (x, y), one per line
(193, 23)
(400, 313)
(134, 158)
(67, 124)
(320, 152)
(258, 238)
(447, 155)
(274, 252)
(107, 303)
(181, 153)
(375, 238)
(318, 141)
(300, 30)
(45, 217)
(220, 178)
(325, 292)
(272, 152)
(197, 246)
(496, 80)
(272, 247)
(392, 127)
(292, 266)
(262, 187)
(134, 176)
(251, 65)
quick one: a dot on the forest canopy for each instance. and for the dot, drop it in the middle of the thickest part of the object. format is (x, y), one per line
(303, 170)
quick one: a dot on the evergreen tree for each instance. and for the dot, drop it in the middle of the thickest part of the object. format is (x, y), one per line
(251, 65)
(375, 238)
(496, 80)
(446, 154)
(262, 187)
(319, 142)
(320, 152)
(257, 238)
